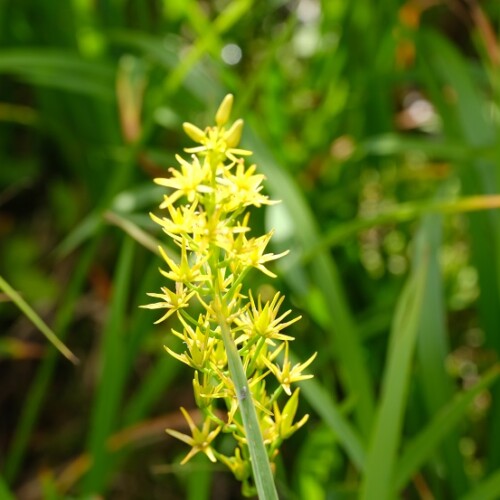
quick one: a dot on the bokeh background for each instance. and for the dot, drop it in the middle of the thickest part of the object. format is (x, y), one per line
(375, 123)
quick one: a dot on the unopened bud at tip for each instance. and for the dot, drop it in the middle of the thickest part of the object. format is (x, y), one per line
(224, 111)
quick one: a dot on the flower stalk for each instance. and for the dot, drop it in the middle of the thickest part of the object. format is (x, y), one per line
(233, 344)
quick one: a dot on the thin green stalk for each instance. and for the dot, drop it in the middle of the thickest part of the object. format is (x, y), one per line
(263, 475)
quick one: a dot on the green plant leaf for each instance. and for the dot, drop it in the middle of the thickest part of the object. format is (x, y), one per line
(29, 312)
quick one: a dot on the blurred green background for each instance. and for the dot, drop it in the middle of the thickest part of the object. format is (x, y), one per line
(375, 123)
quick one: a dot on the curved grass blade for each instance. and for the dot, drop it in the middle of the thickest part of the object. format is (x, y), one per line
(421, 447)
(37, 321)
(328, 410)
(488, 489)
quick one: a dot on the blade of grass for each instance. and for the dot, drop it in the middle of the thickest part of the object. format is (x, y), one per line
(344, 335)
(63, 70)
(487, 489)
(386, 435)
(112, 373)
(154, 384)
(464, 117)
(401, 213)
(157, 380)
(224, 21)
(5, 492)
(133, 230)
(432, 350)
(324, 405)
(37, 321)
(41, 381)
(445, 149)
(421, 448)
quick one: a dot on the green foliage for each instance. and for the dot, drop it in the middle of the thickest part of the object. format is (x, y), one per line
(376, 125)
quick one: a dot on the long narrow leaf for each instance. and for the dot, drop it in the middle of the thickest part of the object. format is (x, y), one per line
(488, 489)
(386, 435)
(421, 447)
(37, 321)
(112, 372)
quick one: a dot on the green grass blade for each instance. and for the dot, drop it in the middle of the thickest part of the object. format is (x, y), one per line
(40, 384)
(59, 69)
(113, 373)
(37, 321)
(226, 19)
(421, 447)
(466, 119)
(381, 457)
(159, 377)
(154, 384)
(133, 230)
(324, 405)
(5, 492)
(487, 489)
(433, 349)
(402, 212)
(345, 337)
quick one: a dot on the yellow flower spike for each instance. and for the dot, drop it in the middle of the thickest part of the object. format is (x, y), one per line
(200, 440)
(234, 343)
(224, 112)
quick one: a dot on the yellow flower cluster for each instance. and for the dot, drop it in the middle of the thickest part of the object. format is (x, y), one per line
(207, 218)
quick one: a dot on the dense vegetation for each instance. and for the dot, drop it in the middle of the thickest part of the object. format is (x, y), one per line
(376, 125)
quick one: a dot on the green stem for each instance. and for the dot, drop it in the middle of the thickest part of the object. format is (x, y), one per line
(263, 475)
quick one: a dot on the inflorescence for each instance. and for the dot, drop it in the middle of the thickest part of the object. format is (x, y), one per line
(207, 218)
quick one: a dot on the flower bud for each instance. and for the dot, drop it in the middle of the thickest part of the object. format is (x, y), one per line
(233, 135)
(194, 132)
(222, 115)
